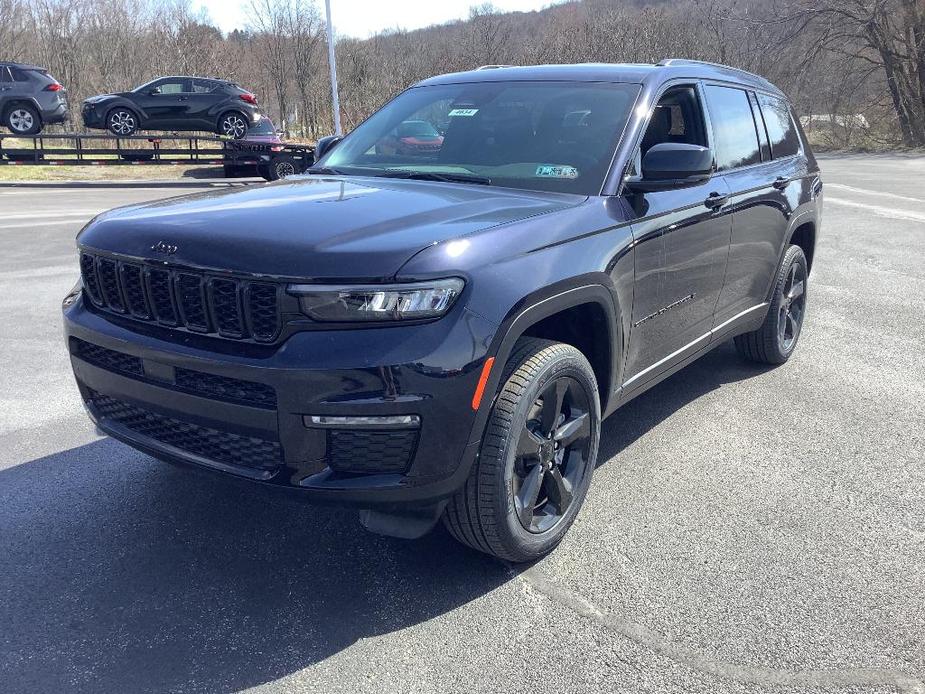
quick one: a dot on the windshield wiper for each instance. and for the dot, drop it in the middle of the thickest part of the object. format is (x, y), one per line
(325, 171)
(436, 176)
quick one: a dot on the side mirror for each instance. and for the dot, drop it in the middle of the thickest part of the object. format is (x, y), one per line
(670, 165)
(156, 90)
(326, 144)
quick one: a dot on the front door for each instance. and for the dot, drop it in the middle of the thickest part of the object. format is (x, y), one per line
(681, 247)
(165, 103)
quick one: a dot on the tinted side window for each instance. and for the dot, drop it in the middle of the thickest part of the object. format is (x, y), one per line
(19, 75)
(5, 74)
(172, 87)
(203, 86)
(784, 139)
(734, 134)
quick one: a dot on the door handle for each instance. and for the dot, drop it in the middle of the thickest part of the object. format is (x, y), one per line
(781, 182)
(715, 200)
(182, 98)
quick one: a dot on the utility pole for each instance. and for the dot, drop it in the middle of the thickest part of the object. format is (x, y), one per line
(333, 66)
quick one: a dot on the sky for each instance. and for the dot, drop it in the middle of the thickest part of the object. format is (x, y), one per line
(363, 18)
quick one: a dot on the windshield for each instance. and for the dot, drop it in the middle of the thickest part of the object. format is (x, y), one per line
(262, 127)
(556, 136)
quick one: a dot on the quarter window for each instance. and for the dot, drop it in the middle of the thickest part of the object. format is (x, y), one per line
(734, 134)
(783, 135)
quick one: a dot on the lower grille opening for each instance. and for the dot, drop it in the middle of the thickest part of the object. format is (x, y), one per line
(220, 446)
(371, 451)
(200, 383)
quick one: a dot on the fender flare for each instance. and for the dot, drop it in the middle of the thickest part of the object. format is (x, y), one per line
(29, 100)
(810, 214)
(522, 318)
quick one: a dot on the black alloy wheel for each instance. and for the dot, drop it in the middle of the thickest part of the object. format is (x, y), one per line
(537, 455)
(792, 307)
(776, 339)
(552, 455)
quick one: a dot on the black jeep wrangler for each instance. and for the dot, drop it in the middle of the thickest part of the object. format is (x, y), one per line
(430, 330)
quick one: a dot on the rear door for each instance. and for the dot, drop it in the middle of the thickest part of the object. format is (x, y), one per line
(202, 97)
(759, 171)
(6, 85)
(20, 86)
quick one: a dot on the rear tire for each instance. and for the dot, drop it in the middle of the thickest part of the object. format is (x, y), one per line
(535, 464)
(775, 341)
(281, 167)
(23, 119)
(233, 125)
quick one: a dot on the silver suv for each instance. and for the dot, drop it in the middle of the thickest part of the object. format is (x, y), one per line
(30, 98)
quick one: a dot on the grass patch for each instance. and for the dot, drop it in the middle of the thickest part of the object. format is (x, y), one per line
(127, 172)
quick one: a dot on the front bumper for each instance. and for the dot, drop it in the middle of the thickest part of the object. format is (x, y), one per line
(92, 117)
(428, 370)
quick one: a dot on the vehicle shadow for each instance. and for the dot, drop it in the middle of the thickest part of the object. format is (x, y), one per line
(635, 419)
(118, 573)
(121, 574)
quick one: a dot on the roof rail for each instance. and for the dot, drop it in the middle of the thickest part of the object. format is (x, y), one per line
(493, 67)
(667, 62)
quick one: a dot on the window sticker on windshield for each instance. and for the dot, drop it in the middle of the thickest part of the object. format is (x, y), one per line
(465, 112)
(556, 171)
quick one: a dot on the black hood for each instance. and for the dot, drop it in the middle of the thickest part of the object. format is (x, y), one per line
(313, 227)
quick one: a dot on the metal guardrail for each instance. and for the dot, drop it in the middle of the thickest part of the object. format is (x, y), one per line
(82, 152)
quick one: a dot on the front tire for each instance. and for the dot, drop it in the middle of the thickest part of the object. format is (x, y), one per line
(775, 341)
(23, 119)
(122, 122)
(537, 456)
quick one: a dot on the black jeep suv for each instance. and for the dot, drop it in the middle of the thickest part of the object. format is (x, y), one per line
(438, 333)
(175, 103)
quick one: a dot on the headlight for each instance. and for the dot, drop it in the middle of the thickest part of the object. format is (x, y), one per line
(71, 298)
(386, 302)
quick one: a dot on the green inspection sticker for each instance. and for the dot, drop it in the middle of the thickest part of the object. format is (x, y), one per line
(556, 171)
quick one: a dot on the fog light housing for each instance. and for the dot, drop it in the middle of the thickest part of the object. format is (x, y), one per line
(401, 421)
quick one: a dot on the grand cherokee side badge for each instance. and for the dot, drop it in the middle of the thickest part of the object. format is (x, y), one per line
(664, 310)
(164, 247)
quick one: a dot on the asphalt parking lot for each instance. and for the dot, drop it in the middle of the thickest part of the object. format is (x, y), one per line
(748, 529)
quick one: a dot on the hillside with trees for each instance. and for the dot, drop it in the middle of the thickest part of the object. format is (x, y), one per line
(856, 66)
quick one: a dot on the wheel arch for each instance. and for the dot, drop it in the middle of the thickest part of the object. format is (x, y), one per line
(21, 101)
(804, 236)
(126, 107)
(230, 109)
(585, 317)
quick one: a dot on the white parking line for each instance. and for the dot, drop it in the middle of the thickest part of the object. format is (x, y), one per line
(867, 191)
(55, 215)
(891, 212)
(43, 223)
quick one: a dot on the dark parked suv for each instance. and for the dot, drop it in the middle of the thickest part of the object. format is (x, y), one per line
(175, 103)
(30, 99)
(438, 333)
